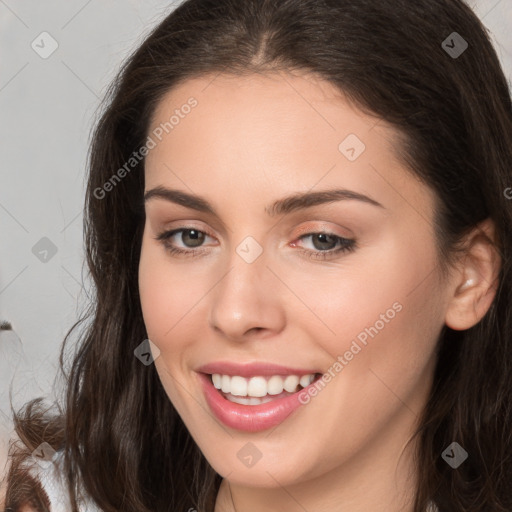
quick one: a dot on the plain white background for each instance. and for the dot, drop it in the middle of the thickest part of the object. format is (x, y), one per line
(47, 109)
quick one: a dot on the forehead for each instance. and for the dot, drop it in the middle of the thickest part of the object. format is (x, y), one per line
(266, 98)
(251, 110)
(274, 131)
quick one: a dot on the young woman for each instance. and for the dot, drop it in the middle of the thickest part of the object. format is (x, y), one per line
(297, 222)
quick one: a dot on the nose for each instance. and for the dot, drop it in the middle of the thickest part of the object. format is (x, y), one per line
(247, 301)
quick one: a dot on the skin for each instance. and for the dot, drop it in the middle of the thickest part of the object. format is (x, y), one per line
(252, 140)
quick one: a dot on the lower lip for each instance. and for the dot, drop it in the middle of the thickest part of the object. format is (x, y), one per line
(249, 418)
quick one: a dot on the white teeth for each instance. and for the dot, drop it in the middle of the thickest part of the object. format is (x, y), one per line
(258, 387)
(292, 381)
(226, 381)
(306, 380)
(238, 386)
(217, 380)
(275, 385)
(244, 400)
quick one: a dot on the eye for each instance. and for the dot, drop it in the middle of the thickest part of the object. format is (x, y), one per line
(190, 237)
(327, 245)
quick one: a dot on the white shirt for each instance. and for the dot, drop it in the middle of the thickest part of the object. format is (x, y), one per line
(51, 477)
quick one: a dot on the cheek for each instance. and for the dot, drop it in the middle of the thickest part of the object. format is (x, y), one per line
(159, 294)
(169, 298)
(165, 301)
(383, 317)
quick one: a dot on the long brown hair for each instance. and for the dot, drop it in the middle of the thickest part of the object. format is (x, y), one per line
(122, 438)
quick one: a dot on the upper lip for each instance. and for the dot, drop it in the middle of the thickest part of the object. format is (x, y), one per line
(252, 369)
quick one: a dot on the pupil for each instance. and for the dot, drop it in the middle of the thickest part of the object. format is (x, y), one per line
(195, 235)
(323, 237)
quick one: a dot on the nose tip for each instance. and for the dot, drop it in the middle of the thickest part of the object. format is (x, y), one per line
(240, 329)
(241, 305)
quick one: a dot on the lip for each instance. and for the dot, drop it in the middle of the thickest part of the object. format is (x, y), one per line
(249, 370)
(249, 418)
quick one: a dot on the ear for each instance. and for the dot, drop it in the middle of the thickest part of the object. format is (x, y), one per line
(476, 279)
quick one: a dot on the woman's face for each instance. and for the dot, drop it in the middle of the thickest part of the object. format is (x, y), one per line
(262, 285)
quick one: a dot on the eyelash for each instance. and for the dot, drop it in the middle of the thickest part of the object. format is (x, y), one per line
(348, 245)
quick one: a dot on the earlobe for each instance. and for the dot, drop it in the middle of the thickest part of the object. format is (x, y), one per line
(476, 282)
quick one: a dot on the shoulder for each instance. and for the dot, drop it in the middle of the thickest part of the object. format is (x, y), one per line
(51, 477)
(3, 486)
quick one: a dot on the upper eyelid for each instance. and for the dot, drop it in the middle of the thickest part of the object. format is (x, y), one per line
(303, 234)
(175, 231)
(302, 230)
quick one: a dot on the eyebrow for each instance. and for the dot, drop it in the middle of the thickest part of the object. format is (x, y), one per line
(285, 205)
